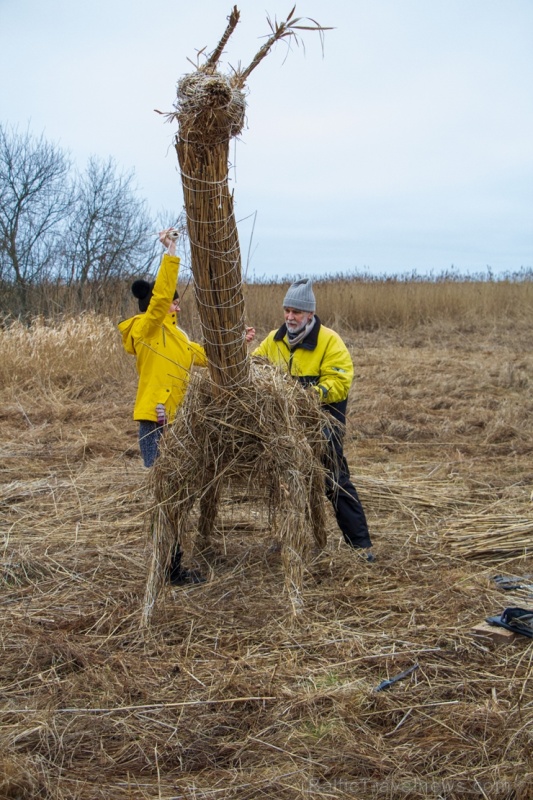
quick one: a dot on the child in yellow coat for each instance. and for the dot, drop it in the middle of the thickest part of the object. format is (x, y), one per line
(164, 356)
(164, 353)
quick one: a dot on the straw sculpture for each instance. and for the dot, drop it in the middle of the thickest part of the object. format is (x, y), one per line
(220, 441)
(240, 425)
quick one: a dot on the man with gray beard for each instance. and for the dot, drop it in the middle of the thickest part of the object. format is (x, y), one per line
(317, 357)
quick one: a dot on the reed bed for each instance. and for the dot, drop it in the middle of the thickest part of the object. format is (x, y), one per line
(358, 303)
(366, 304)
(72, 355)
(227, 694)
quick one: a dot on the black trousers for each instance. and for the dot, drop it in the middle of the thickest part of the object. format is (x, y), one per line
(342, 494)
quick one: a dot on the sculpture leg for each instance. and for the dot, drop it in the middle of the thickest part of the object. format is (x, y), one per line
(317, 513)
(208, 514)
(167, 534)
(294, 539)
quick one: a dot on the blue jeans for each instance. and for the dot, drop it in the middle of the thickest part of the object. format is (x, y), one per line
(149, 435)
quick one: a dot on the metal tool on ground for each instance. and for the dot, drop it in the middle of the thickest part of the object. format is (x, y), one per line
(391, 681)
(510, 582)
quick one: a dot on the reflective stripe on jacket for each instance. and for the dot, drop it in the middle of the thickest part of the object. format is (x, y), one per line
(321, 359)
(164, 353)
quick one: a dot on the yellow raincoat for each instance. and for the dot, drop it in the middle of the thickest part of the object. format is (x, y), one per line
(164, 353)
(321, 360)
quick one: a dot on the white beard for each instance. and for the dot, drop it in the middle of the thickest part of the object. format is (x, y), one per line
(293, 327)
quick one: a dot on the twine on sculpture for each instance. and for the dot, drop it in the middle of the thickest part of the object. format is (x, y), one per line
(241, 423)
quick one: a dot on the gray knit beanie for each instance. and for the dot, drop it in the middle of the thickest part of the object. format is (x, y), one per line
(300, 296)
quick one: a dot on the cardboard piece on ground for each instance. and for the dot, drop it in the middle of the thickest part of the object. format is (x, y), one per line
(497, 634)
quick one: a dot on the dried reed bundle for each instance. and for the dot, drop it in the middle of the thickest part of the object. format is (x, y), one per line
(202, 147)
(210, 111)
(412, 496)
(269, 435)
(490, 535)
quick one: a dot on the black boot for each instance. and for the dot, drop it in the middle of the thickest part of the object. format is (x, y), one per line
(178, 575)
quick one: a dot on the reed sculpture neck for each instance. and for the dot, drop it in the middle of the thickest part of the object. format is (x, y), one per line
(210, 113)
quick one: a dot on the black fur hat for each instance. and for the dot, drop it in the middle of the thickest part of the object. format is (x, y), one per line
(142, 290)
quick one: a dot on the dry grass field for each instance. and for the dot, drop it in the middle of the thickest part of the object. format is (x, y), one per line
(228, 695)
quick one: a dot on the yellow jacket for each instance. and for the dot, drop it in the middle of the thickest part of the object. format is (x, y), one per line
(321, 360)
(164, 352)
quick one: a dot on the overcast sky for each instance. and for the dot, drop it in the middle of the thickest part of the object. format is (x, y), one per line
(406, 143)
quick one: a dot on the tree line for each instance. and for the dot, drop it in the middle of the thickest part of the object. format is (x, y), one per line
(67, 237)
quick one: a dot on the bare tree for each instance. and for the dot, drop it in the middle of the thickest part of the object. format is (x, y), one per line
(110, 234)
(88, 232)
(35, 198)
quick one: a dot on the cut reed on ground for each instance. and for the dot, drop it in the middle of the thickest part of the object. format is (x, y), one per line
(229, 696)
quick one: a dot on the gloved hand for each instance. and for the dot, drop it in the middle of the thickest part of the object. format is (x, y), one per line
(161, 412)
